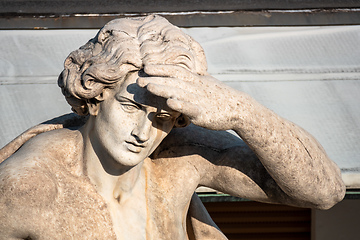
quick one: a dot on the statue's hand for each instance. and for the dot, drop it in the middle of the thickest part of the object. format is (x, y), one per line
(206, 101)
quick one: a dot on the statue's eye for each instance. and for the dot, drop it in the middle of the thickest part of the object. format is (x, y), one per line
(164, 116)
(127, 107)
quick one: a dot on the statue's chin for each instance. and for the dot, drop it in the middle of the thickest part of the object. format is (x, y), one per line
(128, 154)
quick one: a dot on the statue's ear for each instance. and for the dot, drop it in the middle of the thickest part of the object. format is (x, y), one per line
(94, 104)
(182, 121)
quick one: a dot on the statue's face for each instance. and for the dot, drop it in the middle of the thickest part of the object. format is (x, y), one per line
(131, 122)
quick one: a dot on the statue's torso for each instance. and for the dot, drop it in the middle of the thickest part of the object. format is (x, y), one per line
(59, 202)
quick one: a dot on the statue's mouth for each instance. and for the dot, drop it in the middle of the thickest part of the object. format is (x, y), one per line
(134, 147)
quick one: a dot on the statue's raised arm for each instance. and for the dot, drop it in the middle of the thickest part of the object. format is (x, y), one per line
(289, 166)
(129, 168)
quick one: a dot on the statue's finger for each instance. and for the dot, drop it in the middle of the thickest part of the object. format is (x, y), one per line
(170, 92)
(189, 109)
(170, 82)
(144, 81)
(174, 71)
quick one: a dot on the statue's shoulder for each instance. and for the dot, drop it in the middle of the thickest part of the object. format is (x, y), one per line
(67, 121)
(29, 182)
(57, 145)
(29, 177)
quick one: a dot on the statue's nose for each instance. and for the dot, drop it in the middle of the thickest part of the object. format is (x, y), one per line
(143, 129)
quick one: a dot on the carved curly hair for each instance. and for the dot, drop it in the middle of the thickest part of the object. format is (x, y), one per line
(122, 46)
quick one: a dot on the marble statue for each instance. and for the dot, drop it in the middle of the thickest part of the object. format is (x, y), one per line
(149, 132)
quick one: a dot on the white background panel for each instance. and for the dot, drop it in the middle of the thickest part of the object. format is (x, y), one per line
(309, 75)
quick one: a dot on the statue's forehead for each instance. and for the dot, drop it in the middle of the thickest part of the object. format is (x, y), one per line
(130, 90)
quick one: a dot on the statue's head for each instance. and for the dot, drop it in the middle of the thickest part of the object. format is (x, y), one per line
(99, 79)
(123, 46)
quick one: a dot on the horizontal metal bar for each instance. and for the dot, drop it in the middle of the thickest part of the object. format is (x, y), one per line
(60, 7)
(350, 194)
(304, 17)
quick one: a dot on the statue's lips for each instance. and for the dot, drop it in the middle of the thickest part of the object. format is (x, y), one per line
(134, 147)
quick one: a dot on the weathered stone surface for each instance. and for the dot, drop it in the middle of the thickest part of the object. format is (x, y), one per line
(125, 172)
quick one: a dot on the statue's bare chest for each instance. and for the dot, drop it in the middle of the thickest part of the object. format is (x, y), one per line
(154, 210)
